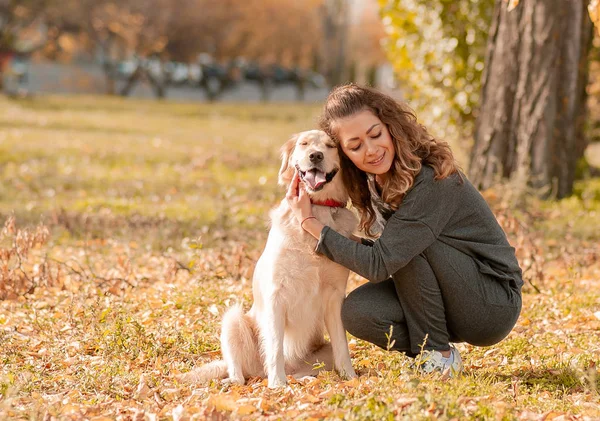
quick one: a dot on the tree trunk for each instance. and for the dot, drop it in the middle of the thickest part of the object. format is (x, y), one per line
(530, 126)
(5, 58)
(132, 80)
(335, 34)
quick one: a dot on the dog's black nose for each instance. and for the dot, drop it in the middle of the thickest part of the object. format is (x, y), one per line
(316, 157)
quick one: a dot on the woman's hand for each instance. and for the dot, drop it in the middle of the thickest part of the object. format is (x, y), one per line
(298, 199)
(299, 202)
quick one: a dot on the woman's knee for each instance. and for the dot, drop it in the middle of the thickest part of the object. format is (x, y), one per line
(368, 306)
(352, 313)
(360, 314)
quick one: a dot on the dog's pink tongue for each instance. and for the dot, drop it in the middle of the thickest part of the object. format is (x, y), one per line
(315, 179)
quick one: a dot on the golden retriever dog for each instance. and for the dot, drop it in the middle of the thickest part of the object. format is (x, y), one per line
(297, 293)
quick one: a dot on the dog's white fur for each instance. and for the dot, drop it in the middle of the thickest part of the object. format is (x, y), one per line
(297, 293)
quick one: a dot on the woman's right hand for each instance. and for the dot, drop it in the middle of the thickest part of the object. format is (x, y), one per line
(298, 199)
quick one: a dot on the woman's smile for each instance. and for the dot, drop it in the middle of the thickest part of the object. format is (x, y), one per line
(378, 160)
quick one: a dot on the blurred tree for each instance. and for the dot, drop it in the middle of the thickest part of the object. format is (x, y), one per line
(365, 50)
(294, 35)
(114, 31)
(437, 49)
(335, 39)
(530, 126)
(286, 32)
(593, 90)
(15, 17)
(207, 26)
(276, 39)
(593, 129)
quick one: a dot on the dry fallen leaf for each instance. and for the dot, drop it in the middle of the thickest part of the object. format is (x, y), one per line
(74, 346)
(309, 398)
(245, 409)
(142, 390)
(222, 402)
(352, 382)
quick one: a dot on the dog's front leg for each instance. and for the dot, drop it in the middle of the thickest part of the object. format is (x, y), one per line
(337, 334)
(272, 329)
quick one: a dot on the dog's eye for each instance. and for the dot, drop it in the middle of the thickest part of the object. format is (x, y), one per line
(331, 146)
(303, 143)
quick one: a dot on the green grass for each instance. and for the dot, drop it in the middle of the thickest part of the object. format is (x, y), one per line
(158, 213)
(109, 158)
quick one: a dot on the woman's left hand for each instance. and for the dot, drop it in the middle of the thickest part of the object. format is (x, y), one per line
(298, 199)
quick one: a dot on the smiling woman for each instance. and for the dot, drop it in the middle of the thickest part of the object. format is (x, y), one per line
(440, 267)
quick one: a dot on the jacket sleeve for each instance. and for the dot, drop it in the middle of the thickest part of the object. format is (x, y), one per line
(400, 242)
(424, 213)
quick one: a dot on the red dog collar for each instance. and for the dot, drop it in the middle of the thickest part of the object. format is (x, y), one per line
(329, 202)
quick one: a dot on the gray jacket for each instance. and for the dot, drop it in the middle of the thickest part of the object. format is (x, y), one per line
(447, 210)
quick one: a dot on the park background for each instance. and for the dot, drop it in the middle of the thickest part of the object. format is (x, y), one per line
(139, 149)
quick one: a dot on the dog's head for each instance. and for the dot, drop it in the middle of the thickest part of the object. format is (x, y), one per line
(314, 154)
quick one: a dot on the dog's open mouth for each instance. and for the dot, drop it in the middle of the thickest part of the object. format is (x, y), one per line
(315, 179)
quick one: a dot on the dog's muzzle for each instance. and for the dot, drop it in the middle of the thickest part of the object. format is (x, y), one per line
(315, 179)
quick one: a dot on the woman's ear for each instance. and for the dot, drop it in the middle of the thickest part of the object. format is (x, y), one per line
(286, 172)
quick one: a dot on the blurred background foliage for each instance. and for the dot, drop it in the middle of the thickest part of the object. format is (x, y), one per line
(430, 53)
(438, 50)
(306, 33)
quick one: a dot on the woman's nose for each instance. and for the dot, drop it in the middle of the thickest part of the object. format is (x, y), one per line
(371, 148)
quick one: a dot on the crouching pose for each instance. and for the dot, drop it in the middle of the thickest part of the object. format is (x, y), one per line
(440, 267)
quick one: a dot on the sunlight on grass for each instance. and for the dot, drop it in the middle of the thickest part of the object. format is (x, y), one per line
(158, 214)
(195, 163)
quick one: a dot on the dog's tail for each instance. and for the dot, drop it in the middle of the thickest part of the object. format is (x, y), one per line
(240, 349)
(213, 370)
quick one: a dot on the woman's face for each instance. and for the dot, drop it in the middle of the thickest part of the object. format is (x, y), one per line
(367, 142)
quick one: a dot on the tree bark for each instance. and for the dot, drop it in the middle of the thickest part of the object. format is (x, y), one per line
(530, 126)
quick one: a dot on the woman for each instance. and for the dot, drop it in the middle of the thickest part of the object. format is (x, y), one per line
(441, 269)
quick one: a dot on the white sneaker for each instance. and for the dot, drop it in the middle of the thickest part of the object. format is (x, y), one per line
(433, 361)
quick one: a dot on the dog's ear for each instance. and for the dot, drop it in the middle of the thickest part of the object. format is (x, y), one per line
(286, 172)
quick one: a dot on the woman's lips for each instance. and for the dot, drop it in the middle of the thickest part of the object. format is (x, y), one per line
(378, 160)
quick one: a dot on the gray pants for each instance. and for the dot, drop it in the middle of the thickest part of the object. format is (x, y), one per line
(439, 297)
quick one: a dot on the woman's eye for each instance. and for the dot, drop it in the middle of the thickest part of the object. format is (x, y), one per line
(376, 136)
(355, 148)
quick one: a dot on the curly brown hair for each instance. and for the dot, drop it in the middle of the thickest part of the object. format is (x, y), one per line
(413, 145)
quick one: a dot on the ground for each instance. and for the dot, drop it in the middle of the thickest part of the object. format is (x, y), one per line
(131, 226)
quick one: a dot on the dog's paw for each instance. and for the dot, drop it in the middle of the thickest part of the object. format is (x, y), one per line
(233, 380)
(238, 380)
(276, 382)
(348, 373)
